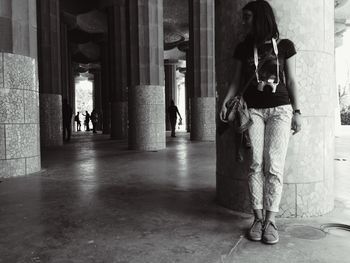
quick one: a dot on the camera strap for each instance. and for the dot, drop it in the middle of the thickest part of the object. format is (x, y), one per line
(256, 60)
(262, 62)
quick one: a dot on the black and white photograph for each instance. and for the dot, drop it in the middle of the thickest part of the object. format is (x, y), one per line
(174, 131)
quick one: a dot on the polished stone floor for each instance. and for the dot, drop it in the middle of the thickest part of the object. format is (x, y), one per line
(96, 201)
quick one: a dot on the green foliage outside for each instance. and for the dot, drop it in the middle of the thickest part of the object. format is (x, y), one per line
(345, 116)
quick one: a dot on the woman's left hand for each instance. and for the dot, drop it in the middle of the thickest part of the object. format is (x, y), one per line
(296, 123)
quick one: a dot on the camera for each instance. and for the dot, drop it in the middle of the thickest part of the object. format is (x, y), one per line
(262, 84)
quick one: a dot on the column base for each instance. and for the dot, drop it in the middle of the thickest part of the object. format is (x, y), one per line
(119, 120)
(308, 173)
(146, 118)
(19, 116)
(298, 200)
(203, 119)
(51, 126)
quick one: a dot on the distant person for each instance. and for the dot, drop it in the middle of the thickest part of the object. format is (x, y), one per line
(172, 113)
(94, 120)
(77, 120)
(86, 121)
(67, 114)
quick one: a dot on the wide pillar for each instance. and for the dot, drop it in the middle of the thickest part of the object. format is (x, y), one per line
(118, 69)
(66, 66)
(203, 67)
(308, 178)
(105, 90)
(19, 94)
(170, 86)
(184, 47)
(146, 92)
(49, 47)
(97, 95)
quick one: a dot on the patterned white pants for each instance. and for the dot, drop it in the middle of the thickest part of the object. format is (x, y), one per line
(269, 137)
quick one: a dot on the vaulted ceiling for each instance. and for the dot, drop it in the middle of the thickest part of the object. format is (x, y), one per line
(342, 20)
(87, 24)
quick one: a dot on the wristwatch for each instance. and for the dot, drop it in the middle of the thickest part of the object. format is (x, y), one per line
(297, 111)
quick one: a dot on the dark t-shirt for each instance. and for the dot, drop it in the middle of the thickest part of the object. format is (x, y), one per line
(172, 110)
(264, 99)
(67, 113)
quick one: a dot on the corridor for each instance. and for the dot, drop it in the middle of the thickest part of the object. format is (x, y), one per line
(96, 201)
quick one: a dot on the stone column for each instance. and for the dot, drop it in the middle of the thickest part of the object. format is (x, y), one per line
(49, 48)
(308, 178)
(65, 63)
(19, 94)
(202, 54)
(170, 86)
(146, 96)
(97, 96)
(105, 82)
(188, 81)
(118, 69)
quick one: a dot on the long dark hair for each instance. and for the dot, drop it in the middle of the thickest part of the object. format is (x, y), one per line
(264, 21)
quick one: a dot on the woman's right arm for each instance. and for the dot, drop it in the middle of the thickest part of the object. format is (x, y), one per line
(233, 88)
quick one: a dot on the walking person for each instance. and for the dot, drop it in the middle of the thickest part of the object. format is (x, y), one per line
(173, 111)
(267, 65)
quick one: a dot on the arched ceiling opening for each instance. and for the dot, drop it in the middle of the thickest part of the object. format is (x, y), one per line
(342, 20)
(87, 23)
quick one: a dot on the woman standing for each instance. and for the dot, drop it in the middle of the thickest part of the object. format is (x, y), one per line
(267, 64)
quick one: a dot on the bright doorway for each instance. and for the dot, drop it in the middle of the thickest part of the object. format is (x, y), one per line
(83, 100)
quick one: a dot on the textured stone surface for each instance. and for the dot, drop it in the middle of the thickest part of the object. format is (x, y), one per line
(146, 89)
(313, 24)
(19, 72)
(314, 79)
(51, 127)
(148, 95)
(238, 194)
(329, 27)
(147, 122)
(313, 199)
(11, 106)
(33, 164)
(203, 122)
(21, 140)
(288, 201)
(329, 153)
(13, 167)
(306, 153)
(1, 70)
(31, 106)
(309, 166)
(201, 69)
(2, 142)
(19, 115)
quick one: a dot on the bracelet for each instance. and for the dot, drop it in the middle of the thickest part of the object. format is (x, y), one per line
(297, 111)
